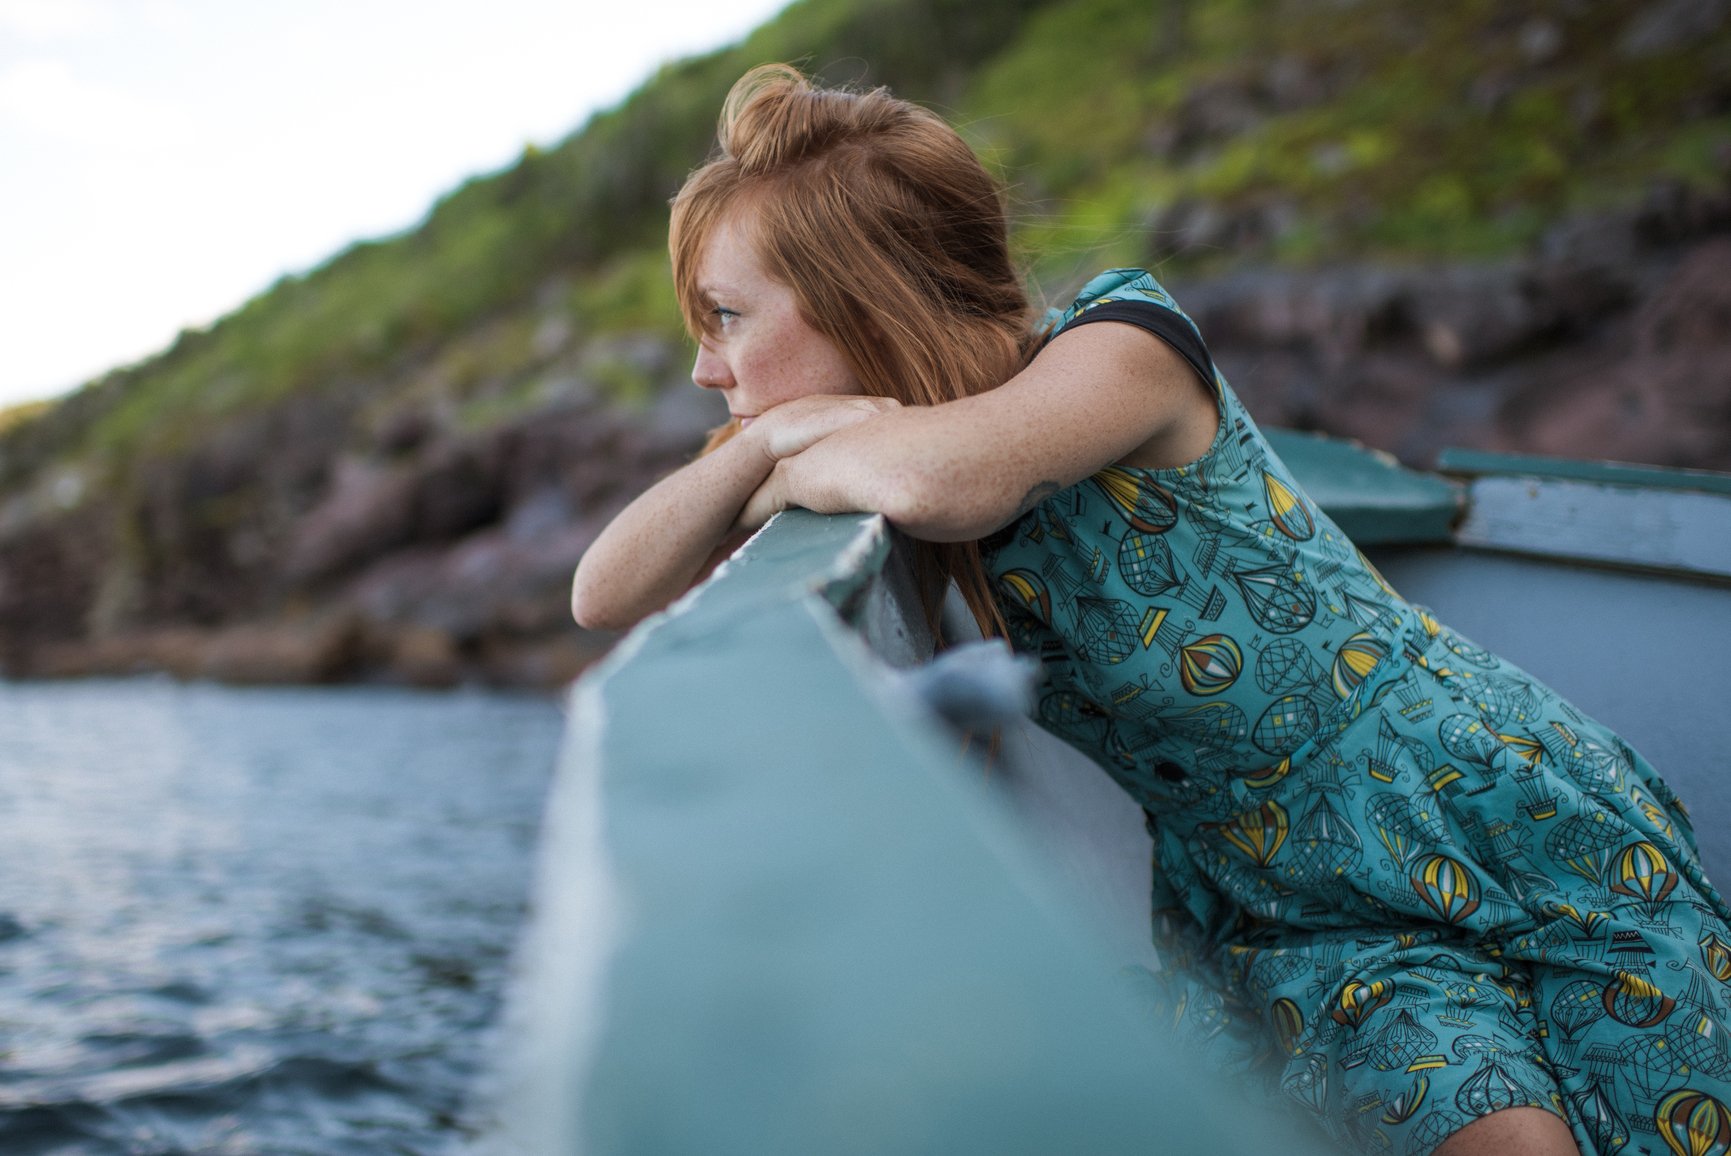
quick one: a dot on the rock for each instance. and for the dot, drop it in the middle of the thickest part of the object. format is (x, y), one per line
(313, 651)
(368, 511)
(1470, 316)
(1670, 25)
(456, 489)
(423, 656)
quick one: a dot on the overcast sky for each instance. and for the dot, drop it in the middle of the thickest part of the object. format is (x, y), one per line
(163, 160)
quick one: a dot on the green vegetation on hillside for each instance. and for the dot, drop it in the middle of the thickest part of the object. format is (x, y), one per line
(1134, 131)
(1392, 130)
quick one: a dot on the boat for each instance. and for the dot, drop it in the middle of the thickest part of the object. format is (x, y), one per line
(786, 906)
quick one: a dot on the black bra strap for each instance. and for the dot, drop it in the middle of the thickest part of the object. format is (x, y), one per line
(1163, 323)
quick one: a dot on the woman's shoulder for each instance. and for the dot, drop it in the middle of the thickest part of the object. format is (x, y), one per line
(1134, 296)
(1115, 286)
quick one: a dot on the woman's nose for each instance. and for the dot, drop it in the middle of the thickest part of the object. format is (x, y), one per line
(710, 371)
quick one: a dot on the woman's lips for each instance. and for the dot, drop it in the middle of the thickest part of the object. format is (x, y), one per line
(745, 421)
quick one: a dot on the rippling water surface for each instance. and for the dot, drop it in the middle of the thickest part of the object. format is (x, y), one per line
(256, 921)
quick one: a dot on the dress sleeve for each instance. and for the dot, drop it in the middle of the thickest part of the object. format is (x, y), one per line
(1134, 296)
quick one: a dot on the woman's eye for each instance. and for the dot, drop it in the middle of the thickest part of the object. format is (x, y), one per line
(723, 316)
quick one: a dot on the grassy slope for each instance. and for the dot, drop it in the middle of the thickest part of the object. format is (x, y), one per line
(1391, 130)
(1398, 129)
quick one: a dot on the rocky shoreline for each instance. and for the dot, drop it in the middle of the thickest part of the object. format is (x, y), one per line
(340, 539)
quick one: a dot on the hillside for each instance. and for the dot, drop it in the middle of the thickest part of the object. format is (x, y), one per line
(1490, 224)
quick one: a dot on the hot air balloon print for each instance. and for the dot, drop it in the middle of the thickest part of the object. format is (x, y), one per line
(1324, 846)
(1210, 664)
(1599, 1116)
(1447, 887)
(1530, 749)
(1146, 564)
(1277, 968)
(1636, 1001)
(1286, 666)
(1431, 1130)
(1396, 755)
(1641, 872)
(1286, 509)
(1577, 1006)
(1589, 764)
(1026, 588)
(1390, 816)
(1698, 1038)
(1370, 613)
(1693, 1123)
(1400, 1043)
(1308, 1083)
(1105, 629)
(1586, 924)
(1584, 843)
(1285, 725)
(1259, 833)
(1143, 503)
(1069, 713)
(1262, 778)
(1466, 737)
(1655, 814)
(1220, 725)
(1288, 1023)
(1406, 1105)
(1539, 796)
(1651, 1066)
(1494, 1087)
(1716, 956)
(1355, 659)
(1277, 598)
(1051, 521)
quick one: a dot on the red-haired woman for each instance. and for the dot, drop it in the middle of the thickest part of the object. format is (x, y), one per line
(1354, 895)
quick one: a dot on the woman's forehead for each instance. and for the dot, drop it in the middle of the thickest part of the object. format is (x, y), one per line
(729, 261)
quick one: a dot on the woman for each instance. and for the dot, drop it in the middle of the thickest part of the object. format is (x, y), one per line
(1393, 874)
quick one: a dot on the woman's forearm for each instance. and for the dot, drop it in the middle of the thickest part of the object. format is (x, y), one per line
(892, 470)
(659, 545)
(957, 471)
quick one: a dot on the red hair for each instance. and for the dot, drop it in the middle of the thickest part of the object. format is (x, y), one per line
(894, 240)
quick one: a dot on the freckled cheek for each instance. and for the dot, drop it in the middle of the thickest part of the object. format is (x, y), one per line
(781, 376)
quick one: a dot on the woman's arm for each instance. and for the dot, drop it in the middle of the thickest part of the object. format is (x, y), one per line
(667, 538)
(1097, 394)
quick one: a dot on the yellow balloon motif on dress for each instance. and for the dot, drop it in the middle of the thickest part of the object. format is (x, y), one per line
(1259, 833)
(1716, 954)
(1028, 589)
(1633, 1000)
(1143, 503)
(1210, 664)
(1433, 887)
(1642, 872)
(1356, 658)
(1446, 886)
(1358, 999)
(1286, 509)
(1694, 1124)
(1288, 1024)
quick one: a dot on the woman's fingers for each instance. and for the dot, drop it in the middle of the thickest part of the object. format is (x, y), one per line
(794, 426)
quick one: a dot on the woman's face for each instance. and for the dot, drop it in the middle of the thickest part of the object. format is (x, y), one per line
(761, 352)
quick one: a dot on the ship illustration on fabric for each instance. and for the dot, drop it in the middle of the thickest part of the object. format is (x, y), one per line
(1407, 882)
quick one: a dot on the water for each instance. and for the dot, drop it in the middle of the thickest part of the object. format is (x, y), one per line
(257, 921)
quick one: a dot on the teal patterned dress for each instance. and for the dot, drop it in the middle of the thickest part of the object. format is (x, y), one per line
(1393, 874)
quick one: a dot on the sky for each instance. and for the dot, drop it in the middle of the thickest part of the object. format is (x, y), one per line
(161, 161)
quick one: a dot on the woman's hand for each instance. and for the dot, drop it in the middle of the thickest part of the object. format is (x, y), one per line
(793, 427)
(797, 425)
